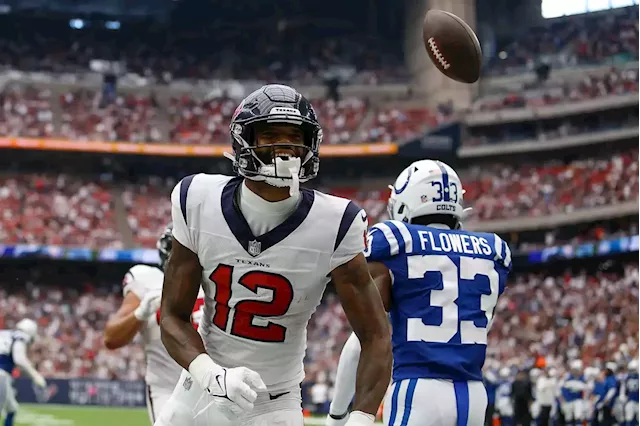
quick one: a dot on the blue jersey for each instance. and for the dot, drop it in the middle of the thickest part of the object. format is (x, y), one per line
(491, 385)
(7, 339)
(446, 285)
(573, 387)
(599, 391)
(631, 386)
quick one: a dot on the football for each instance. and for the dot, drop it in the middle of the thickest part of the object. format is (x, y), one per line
(452, 46)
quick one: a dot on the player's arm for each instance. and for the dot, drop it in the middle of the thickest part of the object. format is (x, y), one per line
(180, 291)
(20, 358)
(123, 326)
(345, 382)
(365, 311)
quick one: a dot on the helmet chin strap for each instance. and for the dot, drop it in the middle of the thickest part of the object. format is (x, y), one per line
(287, 172)
(289, 169)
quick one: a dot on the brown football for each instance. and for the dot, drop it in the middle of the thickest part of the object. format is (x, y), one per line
(452, 46)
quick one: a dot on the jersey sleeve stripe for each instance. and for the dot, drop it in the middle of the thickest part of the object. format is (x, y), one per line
(184, 190)
(348, 216)
(394, 247)
(497, 246)
(507, 255)
(406, 235)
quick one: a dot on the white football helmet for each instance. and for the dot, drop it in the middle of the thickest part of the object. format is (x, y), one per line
(427, 187)
(633, 365)
(576, 365)
(29, 327)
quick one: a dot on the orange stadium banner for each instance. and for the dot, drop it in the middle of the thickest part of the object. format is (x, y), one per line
(351, 150)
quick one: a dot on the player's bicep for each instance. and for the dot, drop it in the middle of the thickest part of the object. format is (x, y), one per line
(181, 283)
(360, 298)
(382, 279)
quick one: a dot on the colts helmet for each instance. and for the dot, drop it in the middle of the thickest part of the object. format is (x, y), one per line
(164, 245)
(275, 104)
(427, 187)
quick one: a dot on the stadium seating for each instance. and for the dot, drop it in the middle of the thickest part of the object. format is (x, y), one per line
(58, 210)
(92, 116)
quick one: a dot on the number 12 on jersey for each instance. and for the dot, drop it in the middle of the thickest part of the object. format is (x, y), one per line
(446, 298)
(246, 310)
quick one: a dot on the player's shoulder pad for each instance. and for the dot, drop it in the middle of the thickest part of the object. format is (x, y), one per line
(352, 217)
(192, 190)
(142, 278)
(503, 252)
(387, 239)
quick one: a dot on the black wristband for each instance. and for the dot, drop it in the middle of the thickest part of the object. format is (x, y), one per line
(338, 416)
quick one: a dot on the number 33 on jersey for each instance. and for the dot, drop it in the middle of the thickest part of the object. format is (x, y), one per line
(446, 285)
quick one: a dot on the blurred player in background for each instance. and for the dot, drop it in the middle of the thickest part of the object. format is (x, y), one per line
(264, 251)
(572, 393)
(440, 285)
(13, 353)
(139, 313)
(629, 393)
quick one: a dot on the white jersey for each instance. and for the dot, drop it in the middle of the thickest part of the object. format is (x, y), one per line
(261, 291)
(162, 370)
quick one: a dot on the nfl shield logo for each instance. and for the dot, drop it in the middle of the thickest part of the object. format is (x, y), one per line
(187, 383)
(255, 248)
(424, 198)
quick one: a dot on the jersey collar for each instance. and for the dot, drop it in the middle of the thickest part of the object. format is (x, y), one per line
(254, 245)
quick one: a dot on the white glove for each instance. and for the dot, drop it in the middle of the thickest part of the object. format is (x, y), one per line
(336, 420)
(237, 386)
(149, 305)
(39, 381)
(358, 418)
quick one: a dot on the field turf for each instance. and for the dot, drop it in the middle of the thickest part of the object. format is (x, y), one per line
(68, 415)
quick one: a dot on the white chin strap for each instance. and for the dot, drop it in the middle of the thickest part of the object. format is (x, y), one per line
(289, 169)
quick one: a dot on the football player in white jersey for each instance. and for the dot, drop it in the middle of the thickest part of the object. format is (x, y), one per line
(13, 353)
(139, 313)
(263, 250)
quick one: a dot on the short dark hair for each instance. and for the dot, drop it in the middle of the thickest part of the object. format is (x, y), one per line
(446, 219)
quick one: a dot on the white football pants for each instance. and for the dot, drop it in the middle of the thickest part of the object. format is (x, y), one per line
(8, 401)
(631, 411)
(573, 411)
(281, 408)
(157, 398)
(433, 402)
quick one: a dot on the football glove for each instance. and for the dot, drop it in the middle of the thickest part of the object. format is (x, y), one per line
(39, 381)
(149, 305)
(238, 386)
(358, 418)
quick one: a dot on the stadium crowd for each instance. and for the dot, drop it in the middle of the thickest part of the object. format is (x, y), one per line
(582, 40)
(71, 210)
(90, 115)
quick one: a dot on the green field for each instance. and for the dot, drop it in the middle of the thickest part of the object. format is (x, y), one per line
(66, 415)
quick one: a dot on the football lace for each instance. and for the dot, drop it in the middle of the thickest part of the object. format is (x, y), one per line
(437, 54)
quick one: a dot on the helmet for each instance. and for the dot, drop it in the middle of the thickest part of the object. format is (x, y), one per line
(576, 364)
(164, 245)
(274, 104)
(427, 187)
(29, 327)
(633, 365)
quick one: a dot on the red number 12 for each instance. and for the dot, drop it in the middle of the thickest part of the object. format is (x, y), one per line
(246, 310)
